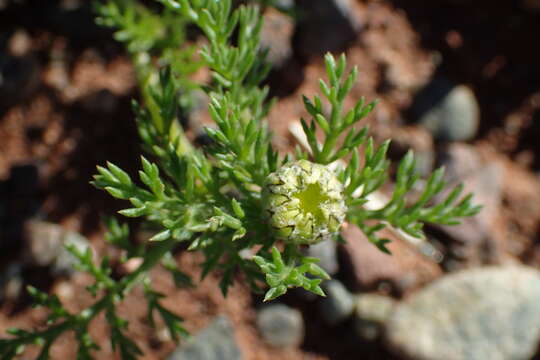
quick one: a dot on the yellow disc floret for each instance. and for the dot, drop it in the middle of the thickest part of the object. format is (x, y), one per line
(304, 202)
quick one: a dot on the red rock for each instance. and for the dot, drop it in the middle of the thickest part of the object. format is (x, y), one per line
(405, 269)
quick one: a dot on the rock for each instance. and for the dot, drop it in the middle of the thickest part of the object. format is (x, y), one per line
(460, 161)
(478, 239)
(277, 32)
(280, 325)
(338, 304)
(450, 112)
(11, 282)
(326, 251)
(45, 246)
(424, 162)
(417, 139)
(20, 43)
(485, 313)
(325, 26)
(276, 36)
(369, 268)
(216, 342)
(284, 5)
(370, 315)
(197, 117)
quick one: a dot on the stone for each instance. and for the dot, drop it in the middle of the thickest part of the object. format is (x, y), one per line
(478, 239)
(424, 162)
(484, 313)
(11, 282)
(284, 5)
(417, 139)
(276, 36)
(368, 268)
(325, 26)
(326, 251)
(371, 314)
(338, 304)
(449, 111)
(216, 342)
(280, 325)
(45, 246)
(20, 43)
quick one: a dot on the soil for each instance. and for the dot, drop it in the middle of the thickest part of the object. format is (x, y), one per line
(72, 112)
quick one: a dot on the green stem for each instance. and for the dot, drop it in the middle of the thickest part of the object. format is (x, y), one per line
(325, 155)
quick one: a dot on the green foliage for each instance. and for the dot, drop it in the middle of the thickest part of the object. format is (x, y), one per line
(110, 294)
(210, 198)
(281, 274)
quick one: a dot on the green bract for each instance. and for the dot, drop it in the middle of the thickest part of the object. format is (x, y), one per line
(304, 202)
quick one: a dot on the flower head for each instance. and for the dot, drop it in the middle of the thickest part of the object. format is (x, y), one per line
(304, 202)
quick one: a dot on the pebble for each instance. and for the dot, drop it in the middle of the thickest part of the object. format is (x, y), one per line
(338, 304)
(216, 342)
(276, 36)
(326, 251)
(483, 313)
(449, 111)
(11, 282)
(368, 268)
(417, 139)
(325, 25)
(286, 5)
(45, 246)
(478, 239)
(280, 325)
(370, 315)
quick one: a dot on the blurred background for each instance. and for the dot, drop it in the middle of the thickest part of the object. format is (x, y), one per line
(457, 81)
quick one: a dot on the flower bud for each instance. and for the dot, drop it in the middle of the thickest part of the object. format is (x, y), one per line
(304, 202)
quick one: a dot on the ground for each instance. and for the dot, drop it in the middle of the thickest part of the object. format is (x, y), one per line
(70, 111)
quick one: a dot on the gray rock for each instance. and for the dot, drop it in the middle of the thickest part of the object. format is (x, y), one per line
(450, 112)
(326, 251)
(11, 282)
(284, 4)
(424, 162)
(420, 141)
(338, 304)
(276, 36)
(280, 325)
(485, 313)
(216, 342)
(45, 246)
(478, 239)
(325, 25)
(370, 315)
